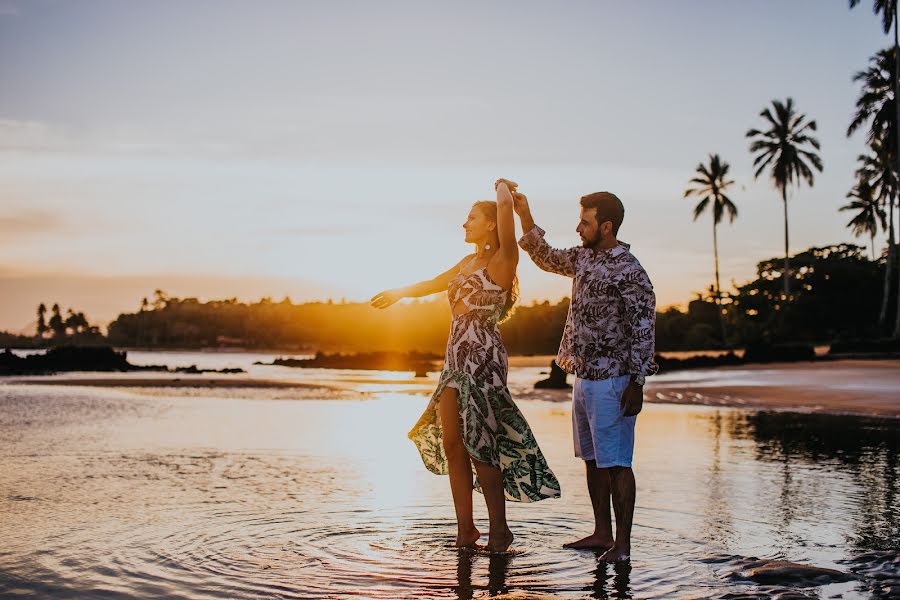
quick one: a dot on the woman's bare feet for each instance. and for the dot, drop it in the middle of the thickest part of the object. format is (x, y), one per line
(592, 542)
(467, 538)
(500, 541)
(616, 555)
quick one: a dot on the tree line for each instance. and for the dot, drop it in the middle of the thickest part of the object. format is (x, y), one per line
(74, 325)
(819, 310)
(835, 298)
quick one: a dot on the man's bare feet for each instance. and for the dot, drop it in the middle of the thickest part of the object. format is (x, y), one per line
(591, 542)
(616, 555)
(467, 539)
(500, 541)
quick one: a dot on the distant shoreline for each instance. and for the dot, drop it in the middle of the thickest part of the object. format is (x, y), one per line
(846, 387)
(163, 382)
(820, 350)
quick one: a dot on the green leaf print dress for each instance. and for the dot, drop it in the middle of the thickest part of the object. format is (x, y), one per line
(494, 430)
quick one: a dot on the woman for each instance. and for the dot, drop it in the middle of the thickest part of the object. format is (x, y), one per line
(471, 421)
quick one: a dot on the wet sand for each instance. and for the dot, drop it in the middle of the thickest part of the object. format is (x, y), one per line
(857, 387)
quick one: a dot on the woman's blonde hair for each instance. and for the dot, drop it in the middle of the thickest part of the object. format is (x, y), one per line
(489, 209)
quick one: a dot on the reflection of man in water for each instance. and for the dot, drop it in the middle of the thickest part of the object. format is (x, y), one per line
(608, 344)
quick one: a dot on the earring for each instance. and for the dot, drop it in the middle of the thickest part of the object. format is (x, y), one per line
(487, 247)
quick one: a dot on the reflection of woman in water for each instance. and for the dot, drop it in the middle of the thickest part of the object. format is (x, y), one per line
(471, 422)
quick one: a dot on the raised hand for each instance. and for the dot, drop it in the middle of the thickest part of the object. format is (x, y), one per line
(512, 185)
(385, 298)
(520, 203)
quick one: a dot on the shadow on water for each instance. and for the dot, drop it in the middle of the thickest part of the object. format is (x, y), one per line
(865, 450)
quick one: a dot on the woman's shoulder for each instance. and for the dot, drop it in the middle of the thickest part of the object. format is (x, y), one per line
(465, 260)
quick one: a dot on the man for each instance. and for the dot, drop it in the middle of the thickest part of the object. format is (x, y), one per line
(608, 345)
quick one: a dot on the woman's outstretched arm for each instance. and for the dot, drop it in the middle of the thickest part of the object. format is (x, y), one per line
(417, 290)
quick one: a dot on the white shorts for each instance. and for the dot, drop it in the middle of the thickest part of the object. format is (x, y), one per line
(601, 432)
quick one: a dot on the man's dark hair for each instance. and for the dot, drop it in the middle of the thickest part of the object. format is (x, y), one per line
(609, 208)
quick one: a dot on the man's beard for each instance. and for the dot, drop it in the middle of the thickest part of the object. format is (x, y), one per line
(590, 242)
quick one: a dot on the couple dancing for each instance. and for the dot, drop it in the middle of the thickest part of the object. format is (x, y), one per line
(472, 423)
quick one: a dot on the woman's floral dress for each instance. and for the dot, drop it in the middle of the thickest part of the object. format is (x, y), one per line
(493, 429)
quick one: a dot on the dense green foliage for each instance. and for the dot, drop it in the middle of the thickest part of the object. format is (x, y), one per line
(836, 291)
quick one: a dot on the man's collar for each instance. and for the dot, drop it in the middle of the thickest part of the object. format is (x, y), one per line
(616, 250)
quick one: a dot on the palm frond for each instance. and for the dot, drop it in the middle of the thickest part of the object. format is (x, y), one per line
(710, 184)
(786, 147)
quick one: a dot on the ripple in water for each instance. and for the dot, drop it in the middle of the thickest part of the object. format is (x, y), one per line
(372, 554)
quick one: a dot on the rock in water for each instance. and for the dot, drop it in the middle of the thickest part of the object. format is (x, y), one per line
(783, 571)
(556, 381)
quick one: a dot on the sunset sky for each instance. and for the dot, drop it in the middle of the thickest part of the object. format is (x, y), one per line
(249, 149)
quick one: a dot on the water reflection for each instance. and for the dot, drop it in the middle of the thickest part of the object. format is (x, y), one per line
(498, 568)
(219, 497)
(610, 581)
(866, 449)
(717, 505)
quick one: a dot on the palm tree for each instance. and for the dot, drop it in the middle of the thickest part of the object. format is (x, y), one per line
(877, 169)
(710, 185)
(159, 299)
(142, 320)
(42, 320)
(888, 11)
(790, 151)
(71, 322)
(869, 213)
(56, 323)
(877, 106)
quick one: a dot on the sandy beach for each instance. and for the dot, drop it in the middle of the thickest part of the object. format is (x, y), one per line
(859, 387)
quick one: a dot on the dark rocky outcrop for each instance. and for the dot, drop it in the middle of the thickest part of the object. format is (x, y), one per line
(83, 358)
(419, 362)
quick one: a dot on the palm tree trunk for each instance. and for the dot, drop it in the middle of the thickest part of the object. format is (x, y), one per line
(716, 256)
(897, 300)
(787, 262)
(896, 85)
(872, 238)
(718, 288)
(888, 271)
(895, 250)
(892, 252)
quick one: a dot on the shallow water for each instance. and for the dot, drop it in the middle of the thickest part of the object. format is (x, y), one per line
(247, 493)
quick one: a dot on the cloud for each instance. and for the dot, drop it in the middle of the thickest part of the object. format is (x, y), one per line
(29, 222)
(40, 136)
(9, 10)
(29, 135)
